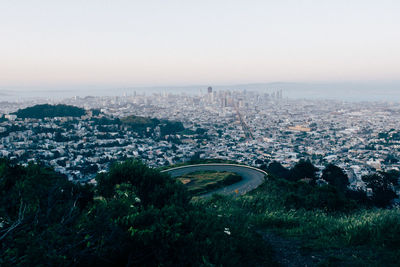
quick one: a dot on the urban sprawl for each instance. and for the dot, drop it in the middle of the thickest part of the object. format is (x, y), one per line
(247, 127)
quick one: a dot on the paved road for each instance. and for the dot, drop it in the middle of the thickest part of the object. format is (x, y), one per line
(252, 177)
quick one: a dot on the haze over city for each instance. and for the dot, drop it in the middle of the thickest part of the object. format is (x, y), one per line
(310, 48)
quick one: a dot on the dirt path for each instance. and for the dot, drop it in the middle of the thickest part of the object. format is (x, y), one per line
(287, 252)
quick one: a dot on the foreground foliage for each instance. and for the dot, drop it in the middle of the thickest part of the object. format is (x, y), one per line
(335, 191)
(353, 235)
(135, 216)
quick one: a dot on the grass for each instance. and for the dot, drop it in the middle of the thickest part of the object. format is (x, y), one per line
(205, 181)
(358, 236)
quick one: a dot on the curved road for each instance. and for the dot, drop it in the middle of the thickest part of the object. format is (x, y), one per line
(252, 177)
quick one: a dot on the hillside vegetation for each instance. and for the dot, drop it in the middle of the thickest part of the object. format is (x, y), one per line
(138, 123)
(354, 236)
(135, 216)
(50, 111)
(322, 224)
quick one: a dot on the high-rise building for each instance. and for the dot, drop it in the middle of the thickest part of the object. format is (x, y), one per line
(209, 89)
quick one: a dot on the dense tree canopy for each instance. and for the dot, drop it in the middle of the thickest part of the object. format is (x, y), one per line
(135, 216)
(39, 211)
(303, 169)
(141, 124)
(336, 195)
(382, 184)
(50, 111)
(276, 169)
(171, 127)
(137, 122)
(335, 177)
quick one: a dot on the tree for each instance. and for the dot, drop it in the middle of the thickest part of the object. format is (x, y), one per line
(392, 176)
(201, 131)
(381, 184)
(359, 196)
(335, 177)
(151, 186)
(136, 216)
(276, 169)
(39, 210)
(51, 111)
(302, 169)
(171, 127)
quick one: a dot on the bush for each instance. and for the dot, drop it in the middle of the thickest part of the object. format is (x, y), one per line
(302, 169)
(314, 197)
(382, 184)
(135, 217)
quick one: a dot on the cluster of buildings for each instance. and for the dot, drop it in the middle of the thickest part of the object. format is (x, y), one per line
(248, 127)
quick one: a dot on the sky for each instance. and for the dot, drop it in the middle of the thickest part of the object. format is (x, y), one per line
(70, 44)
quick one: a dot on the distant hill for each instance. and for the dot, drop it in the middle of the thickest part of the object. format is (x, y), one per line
(50, 111)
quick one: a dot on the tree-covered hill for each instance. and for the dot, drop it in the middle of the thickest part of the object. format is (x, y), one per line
(140, 124)
(135, 216)
(139, 121)
(50, 111)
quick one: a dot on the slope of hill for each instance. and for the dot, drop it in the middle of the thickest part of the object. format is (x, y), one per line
(308, 232)
(141, 217)
(135, 216)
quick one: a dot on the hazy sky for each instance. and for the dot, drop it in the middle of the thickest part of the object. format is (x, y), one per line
(149, 42)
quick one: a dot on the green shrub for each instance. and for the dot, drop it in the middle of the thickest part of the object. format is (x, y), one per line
(137, 217)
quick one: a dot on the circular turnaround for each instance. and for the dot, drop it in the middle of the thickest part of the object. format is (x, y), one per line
(251, 177)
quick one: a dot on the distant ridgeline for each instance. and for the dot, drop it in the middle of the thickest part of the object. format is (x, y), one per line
(138, 123)
(50, 111)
